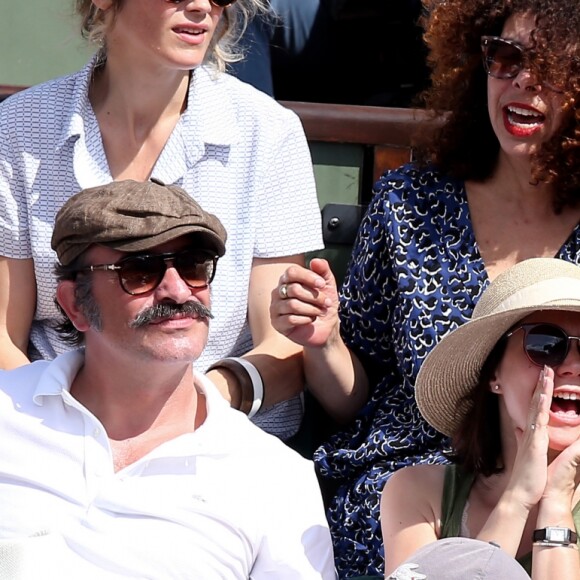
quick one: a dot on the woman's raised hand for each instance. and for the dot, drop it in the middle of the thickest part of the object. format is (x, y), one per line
(530, 471)
(304, 305)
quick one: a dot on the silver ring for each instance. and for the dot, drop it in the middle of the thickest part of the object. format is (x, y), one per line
(283, 291)
(533, 426)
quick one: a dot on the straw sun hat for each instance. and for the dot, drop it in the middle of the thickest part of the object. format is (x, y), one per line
(452, 368)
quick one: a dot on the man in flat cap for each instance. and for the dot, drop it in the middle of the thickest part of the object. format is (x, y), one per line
(118, 459)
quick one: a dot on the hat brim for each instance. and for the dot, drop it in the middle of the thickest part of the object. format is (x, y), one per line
(453, 367)
(210, 241)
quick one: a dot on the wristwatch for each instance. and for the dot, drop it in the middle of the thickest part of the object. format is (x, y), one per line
(552, 536)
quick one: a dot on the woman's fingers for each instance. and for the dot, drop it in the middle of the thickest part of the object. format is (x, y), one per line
(316, 286)
(543, 399)
(305, 297)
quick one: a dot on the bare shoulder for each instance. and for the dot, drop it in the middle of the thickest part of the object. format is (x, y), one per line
(417, 486)
(411, 510)
(418, 477)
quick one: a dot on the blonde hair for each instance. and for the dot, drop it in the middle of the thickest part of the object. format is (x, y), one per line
(95, 24)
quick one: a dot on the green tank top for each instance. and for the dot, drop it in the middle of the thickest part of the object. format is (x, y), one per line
(456, 488)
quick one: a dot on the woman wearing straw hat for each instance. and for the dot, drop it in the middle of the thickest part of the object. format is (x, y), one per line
(505, 387)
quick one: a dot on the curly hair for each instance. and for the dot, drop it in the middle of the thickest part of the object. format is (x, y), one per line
(464, 144)
(95, 24)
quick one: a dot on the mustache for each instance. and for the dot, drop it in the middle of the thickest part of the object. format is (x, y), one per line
(167, 310)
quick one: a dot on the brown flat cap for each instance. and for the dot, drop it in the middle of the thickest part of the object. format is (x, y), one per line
(132, 216)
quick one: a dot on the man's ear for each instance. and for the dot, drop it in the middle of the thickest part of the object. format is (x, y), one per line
(65, 296)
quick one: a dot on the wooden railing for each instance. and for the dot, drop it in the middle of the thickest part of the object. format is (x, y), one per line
(7, 90)
(387, 130)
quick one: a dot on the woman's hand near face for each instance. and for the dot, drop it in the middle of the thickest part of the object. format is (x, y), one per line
(563, 475)
(559, 476)
(555, 509)
(530, 471)
(563, 479)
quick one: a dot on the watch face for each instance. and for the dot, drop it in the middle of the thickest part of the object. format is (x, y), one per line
(557, 534)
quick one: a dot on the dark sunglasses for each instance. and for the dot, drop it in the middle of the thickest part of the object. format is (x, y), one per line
(502, 58)
(143, 273)
(218, 3)
(545, 344)
(505, 59)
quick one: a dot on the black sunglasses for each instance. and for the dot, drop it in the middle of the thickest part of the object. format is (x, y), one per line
(502, 58)
(505, 59)
(545, 344)
(143, 273)
(218, 3)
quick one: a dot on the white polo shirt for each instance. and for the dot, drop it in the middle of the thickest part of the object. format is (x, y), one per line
(227, 501)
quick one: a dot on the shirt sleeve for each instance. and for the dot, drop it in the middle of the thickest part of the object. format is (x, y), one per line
(14, 240)
(290, 214)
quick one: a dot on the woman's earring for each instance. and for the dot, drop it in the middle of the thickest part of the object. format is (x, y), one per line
(496, 388)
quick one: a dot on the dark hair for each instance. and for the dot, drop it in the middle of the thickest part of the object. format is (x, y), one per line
(84, 299)
(464, 145)
(477, 442)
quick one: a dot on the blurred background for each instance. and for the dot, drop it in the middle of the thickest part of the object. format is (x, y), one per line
(366, 52)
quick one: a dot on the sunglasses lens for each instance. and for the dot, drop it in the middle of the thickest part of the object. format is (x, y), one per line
(196, 269)
(502, 59)
(141, 274)
(546, 345)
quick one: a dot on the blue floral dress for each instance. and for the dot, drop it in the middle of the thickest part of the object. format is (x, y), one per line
(415, 275)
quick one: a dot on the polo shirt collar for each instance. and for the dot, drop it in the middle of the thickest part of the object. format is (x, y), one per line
(208, 127)
(80, 108)
(59, 375)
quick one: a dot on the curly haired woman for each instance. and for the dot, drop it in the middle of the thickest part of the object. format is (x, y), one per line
(497, 181)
